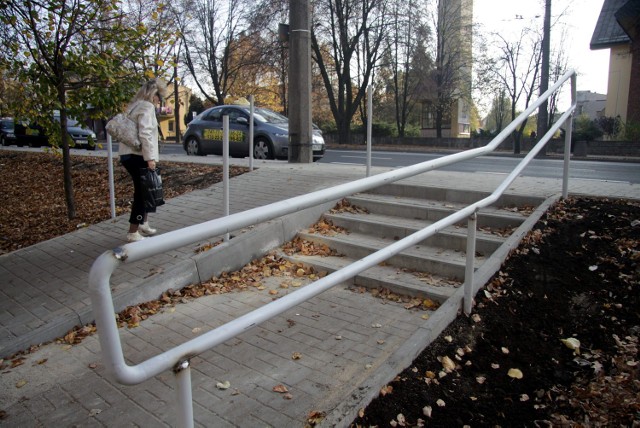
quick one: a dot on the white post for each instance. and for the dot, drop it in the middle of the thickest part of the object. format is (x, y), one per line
(567, 142)
(225, 167)
(185, 395)
(251, 132)
(471, 255)
(369, 127)
(112, 193)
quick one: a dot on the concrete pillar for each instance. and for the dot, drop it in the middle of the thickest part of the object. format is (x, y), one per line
(300, 127)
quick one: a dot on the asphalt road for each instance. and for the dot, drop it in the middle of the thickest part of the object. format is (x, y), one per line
(625, 172)
(547, 168)
(598, 170)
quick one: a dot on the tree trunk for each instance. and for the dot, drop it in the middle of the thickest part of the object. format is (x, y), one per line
(66, 157)
(344, 132)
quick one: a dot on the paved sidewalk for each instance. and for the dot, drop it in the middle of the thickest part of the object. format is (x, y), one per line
(43, 293)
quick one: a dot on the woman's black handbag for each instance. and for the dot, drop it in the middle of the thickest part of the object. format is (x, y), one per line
(152, 188)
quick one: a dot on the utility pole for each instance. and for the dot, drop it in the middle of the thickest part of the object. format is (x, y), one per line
(543, 113)
(300, 128)
(176, 96)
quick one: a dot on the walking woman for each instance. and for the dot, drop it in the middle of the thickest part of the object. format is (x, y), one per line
(142, 110)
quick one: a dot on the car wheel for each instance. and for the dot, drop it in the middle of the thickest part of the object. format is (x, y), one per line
(262, 149)
(91, 146)
(193, 147)
(3, 140)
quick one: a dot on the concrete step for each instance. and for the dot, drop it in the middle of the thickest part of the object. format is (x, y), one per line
(396, 280)
(424, 258)
(499, 219)
(367, 222)
(393, 227)
(454, 196)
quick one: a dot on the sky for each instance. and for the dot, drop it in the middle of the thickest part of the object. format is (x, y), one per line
(579, 19)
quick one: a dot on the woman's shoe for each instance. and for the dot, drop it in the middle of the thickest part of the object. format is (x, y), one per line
(147, 230)
(134, 237)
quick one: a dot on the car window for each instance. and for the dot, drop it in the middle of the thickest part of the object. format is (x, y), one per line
(213, 116)
(234, 114)
(6, 124)
(270, 116)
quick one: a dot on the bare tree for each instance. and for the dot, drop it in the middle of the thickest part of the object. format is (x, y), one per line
(406, 61)
(516, 69)
(451, 76)
(214, 51)
(346, 44)
(266, 17)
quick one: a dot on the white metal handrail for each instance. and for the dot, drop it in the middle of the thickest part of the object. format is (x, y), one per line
(177, 359)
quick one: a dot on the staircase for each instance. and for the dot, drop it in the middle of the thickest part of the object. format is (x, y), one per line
(367, 222)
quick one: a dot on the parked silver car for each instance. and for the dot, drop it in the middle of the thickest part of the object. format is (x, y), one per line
(271, 134)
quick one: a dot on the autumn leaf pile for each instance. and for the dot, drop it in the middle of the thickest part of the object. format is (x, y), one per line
(34, 207)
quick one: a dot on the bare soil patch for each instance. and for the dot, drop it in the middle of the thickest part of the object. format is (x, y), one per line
(576, 276)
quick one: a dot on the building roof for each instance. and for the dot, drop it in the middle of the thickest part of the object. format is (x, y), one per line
(628, 16)
(608, 32)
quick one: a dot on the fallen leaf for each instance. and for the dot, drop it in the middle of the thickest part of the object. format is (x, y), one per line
(515, 373)
(427, 410)
(296, 356)
(448, 364)
(280, 389)
(223, 385)
(387, 389)
(21, 383)
(573, 344)
(315, 417)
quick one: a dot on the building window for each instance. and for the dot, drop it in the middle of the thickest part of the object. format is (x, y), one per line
(428, 118)
(172, 126)
(428, 115)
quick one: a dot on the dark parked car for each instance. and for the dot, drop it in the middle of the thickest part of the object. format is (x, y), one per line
(30, 134)
(33, 135)
(271, 134)
(7, 135)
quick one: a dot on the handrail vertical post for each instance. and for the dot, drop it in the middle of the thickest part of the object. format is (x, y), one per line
(251, 110)
(471, 255)
(182, 371)
(567, 142)
(369, 127)
(112, 193)
(225, 167)
(567, 156)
